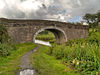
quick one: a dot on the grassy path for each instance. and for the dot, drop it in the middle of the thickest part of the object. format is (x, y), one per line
(25, 60)
(10, 64)
(49, 65)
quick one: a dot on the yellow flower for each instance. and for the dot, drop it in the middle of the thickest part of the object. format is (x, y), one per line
(82, 46)
(97, 73)
(74, 61)
(77, 63)
(0, 72)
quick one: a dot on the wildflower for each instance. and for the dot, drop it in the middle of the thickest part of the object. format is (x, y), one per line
(97, 73)
(65, 70)
(82, 46)
(74, 61)
(77, 63)
(0, 72)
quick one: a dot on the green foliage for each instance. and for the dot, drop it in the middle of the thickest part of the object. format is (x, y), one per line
(5, 50)
(46, 36)
(44, 32)
(77, 41)
(3, 34)
(93, 20)
(94, 37)
(84, 57)
(10, 64)
(98, 29)
(49, 65)
(82, 54)
(57, 51)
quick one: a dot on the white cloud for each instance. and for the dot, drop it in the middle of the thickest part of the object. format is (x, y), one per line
(2, 4)
(30, 5)
(78, 2)
(61, 10)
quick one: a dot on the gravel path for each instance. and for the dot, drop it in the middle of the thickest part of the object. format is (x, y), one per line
(26, 65)
(25, 60)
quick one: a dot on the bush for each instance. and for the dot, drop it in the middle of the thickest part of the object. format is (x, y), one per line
(6, 45)
(5, 50)
(3, 34)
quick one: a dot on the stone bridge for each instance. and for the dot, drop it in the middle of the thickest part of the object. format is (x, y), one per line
(26, 30)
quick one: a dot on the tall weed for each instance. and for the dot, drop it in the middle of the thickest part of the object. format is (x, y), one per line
(82, 56)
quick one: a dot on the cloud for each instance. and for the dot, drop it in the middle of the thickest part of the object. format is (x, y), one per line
(61, 10)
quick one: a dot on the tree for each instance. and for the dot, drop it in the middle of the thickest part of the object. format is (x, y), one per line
(92, 19)
(98, 17)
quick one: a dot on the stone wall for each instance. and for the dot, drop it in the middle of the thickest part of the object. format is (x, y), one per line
(25, 30)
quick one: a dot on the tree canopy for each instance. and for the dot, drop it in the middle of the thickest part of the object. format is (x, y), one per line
(92, 19)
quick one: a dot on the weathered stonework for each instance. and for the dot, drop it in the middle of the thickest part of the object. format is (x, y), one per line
(26, 30)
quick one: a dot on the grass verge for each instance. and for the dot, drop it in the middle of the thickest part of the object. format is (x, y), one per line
(9, 65)
(49, 65)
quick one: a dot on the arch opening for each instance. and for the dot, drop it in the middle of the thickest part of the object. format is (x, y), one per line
(59, 34)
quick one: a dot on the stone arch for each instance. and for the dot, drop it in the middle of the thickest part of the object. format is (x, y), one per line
(60, 35)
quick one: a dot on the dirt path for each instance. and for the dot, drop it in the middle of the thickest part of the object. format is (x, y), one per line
(25, 60)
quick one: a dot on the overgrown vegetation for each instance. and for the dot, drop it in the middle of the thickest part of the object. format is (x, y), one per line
(82, 55)
(5, 50)
(10, 53)
(49, 65)
(3, 34)
(6, 45)
(9, 65)
(46, 36)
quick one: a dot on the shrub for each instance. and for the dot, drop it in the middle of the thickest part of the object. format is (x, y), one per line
(5, 50)
(3, 34)
(6, 44)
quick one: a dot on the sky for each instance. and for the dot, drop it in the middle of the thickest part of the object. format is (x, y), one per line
(58, 10)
